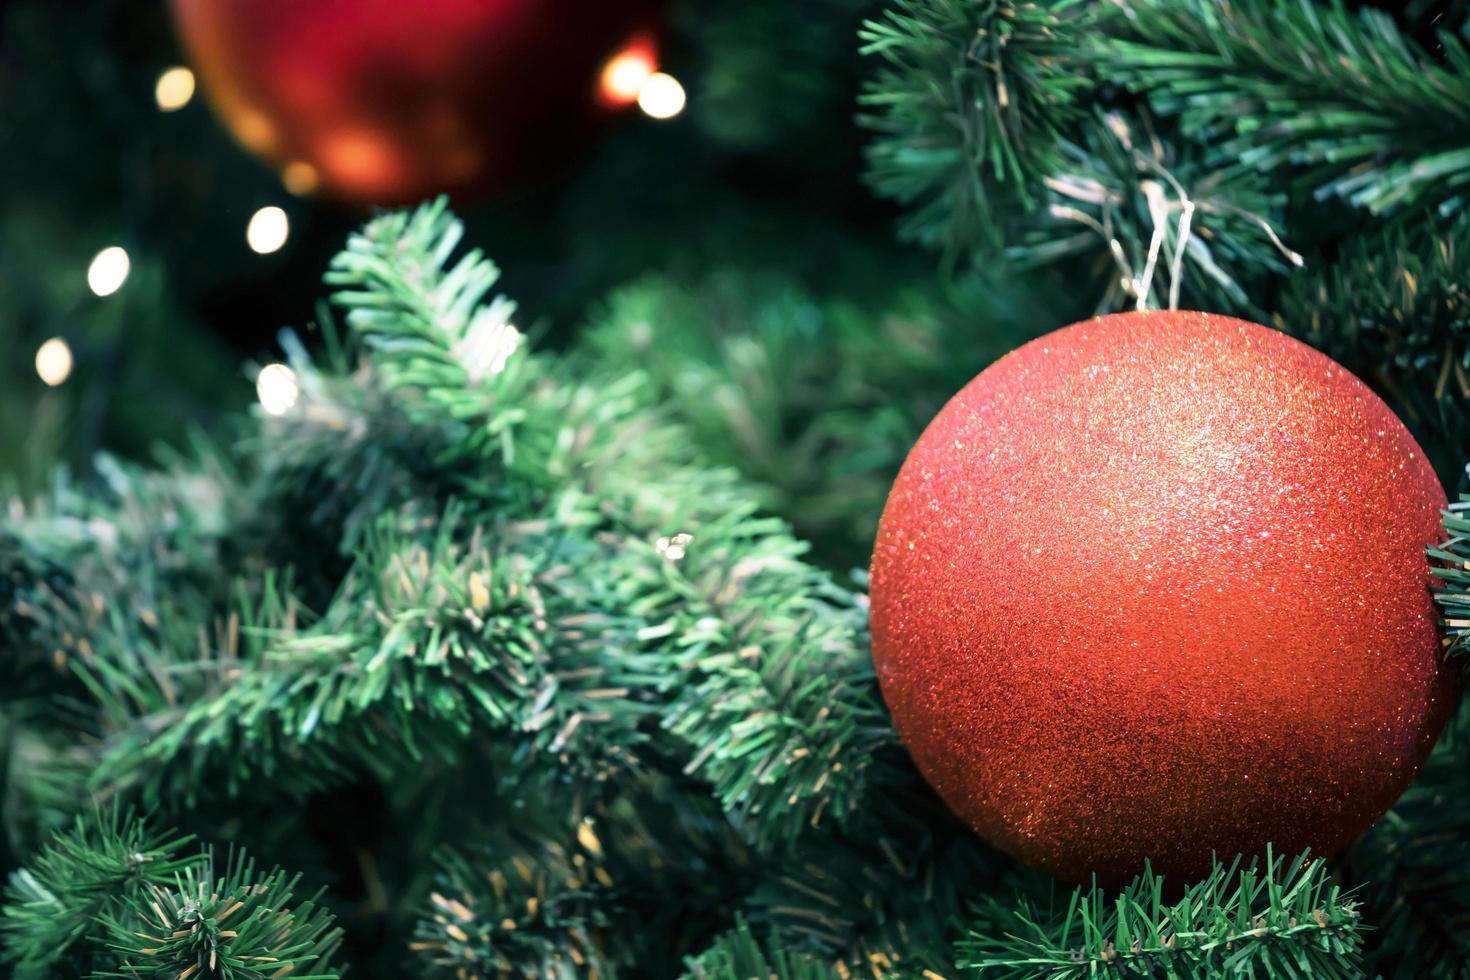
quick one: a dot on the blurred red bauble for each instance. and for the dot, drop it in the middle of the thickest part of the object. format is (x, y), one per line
(386, 102)
(1154, 586)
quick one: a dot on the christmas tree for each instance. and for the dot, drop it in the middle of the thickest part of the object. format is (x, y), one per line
(446, 634)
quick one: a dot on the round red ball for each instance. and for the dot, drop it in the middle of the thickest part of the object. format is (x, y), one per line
(1154, 587)
(386, 102)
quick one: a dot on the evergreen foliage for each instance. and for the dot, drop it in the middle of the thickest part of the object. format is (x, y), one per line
(666, 698)
(1005, 66)
(815, 399)
(739, 955)
(1283, 919)
(536, 911)
(555, 617)
(1195, 150)
(1414, 870)
(113, 898)
(1342, 100)
(105, 862)
(522, 580)
(1393, 308)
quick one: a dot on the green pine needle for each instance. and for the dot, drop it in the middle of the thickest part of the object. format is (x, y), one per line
(997, 134)
(1342, 97)
(532, 908)
(552, 564)
(112, 898)
(1283, 920)
(240, 925)
(1415, 866)
(738, 955)
(1450, 564)
(970, 107)
(107, 861)
(457, 555)
(1394, 308)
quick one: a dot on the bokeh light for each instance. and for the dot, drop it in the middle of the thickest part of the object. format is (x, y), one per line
(662, 97)
(299, 177)
(109, 270)
(277, 388)
(54, 361)
(174, 89)
(625, 74)
(267, 230)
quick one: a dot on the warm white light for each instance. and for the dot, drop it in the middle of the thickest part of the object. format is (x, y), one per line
(277, 389)
(174, 89)
(625, 75)
(661, 97)
(53, 361)
(267, 230)
(108, 271)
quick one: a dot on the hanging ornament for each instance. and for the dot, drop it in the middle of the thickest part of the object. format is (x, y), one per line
(385, 102)
(1154, 587)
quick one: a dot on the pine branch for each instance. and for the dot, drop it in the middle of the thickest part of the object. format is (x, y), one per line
(1157, 218)
(773, 708)
(1158, 222)
(113, 552)
(1176, 210)
(1415, 868)
(738, 955)
(113, 898)
(742, 616)
(1282, 920)
(430, 638)
(814, 399)
(527, 580)
(241, 925)
(1394, 309)
(439, 344)
(523, 907)
(1342, 96)
(970, 106)
(107, 860)
(884, 900)
(1450, 564)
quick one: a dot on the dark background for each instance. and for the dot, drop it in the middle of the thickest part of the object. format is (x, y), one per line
(762, 170)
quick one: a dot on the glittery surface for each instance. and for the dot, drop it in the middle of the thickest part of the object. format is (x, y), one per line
(1154, 586)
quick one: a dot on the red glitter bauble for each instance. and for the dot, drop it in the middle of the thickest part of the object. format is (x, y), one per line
(1154, 587)
(389, 101)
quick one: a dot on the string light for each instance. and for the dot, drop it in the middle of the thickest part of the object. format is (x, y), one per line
(54, 361)
(267, 230)
(277, 389)
(108, 271)
(299, 177)
(174, 89)
(624, 76)
(662, 97)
